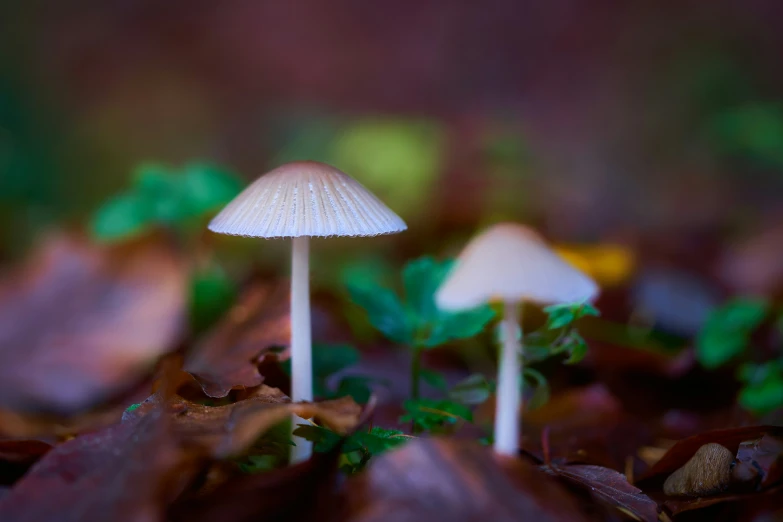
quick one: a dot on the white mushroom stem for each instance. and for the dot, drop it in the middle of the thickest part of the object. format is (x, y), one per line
(509, 392)
(301, 339)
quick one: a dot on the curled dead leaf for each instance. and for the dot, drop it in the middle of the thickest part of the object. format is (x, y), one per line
(305, 491)
(609, 487)
(302, 492)
(442, 479)
(128, 472)
(228, 356)
(230, 429)
(762, 461)
(16, 457)
(80, 325)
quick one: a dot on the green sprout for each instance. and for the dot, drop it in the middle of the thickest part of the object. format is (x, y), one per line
(415, 321)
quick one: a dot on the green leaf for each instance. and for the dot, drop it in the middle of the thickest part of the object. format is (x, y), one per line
(541, 387)
(252, 464)
(357, 386)
(418, 322)
(474, 389)
(728, 329)
(562, 315)
(559, 316)
(432, 326)
(177, 196)
(538, 345)
(323, 439)
(329, 359)
(434, 379)
(212, 293)
(461, 325)
(369, 271)
(150, 180)
(378, 440)
(430, 414)
(384, 310)
(375, 441)
(161, 189)
(754, 131)
(121, 217)
(421, 279)
(763, 389)
(576, 347)
(207, 187)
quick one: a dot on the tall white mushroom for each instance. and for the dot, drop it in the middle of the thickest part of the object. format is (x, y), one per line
(301, 200)
(511, 263)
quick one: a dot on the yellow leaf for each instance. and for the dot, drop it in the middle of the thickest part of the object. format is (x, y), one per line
(609, 265)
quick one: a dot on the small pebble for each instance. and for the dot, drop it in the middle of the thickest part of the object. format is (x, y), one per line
(707, 473)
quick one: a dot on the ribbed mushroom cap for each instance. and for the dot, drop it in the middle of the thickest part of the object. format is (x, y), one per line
(510, 262)
(306, 198)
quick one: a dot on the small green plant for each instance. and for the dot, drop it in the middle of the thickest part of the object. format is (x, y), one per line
(177, 200)
(557, 337)
(269, 452)
(358, 448)
(727, 338)
(160, 196)
(472, 390)
(726, 334)
(752, 131)
(762, 386)
(418, 323)
(435, 416)
(559, 334)
(415, 321)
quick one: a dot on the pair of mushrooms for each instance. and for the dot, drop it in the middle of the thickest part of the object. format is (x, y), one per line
(508, 262)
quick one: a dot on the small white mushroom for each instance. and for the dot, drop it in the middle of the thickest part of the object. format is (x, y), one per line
(511, 263)
(301, 200)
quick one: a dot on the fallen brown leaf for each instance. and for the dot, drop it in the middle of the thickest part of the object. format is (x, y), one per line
(765, 455)
(610, 487)
(579, 422)
(80, 325)
(768, 498)
(442, 479)
(228, 430)
(302, 492)
(128, 472)
(228, 356)
(16, 457)
(24, 425)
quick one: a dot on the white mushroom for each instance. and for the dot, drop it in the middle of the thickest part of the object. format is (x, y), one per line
(511, 263)
(301, 200)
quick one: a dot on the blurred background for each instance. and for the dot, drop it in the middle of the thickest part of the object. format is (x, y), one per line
(650, 131)
(643, 139)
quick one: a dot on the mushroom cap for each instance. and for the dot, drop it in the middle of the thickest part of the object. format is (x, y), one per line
(511, 262)
(306, 198)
